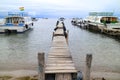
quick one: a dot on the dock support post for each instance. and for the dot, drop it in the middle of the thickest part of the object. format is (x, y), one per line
(88, 66)
(67, 36)
(53, 35)
(41, 63)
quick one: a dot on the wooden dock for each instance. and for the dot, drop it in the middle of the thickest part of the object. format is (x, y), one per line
(59, 64)
(59, 61)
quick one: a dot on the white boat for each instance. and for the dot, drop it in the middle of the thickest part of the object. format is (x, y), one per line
(18, 22)
(104, 22)
(34, 19)
(62, 19)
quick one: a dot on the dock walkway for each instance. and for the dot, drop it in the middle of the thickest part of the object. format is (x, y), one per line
(59, 58)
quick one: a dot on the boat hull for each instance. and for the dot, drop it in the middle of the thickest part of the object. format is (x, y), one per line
(14, 29)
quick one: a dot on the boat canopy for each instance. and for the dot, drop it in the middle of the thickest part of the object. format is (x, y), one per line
(17, 14)
(102, 19)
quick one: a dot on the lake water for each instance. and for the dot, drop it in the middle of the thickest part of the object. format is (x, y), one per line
(19, 51)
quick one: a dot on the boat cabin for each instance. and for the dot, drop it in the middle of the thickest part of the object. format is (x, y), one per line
(102, 19)
(10, 21)
(17, 21)
(108, 20)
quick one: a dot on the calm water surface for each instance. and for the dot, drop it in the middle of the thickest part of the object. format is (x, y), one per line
(19, 51)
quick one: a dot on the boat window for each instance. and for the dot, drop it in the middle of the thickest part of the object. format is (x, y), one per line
(15, 20)
(109, 20)
(8, 20)
(21, 20)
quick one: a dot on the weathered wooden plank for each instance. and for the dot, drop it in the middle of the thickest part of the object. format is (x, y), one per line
(66, 76)
(59, 38)
(59, 68)
(59, 56)
(69, 64)
(63, 56)
(59, 48)
(59, 76)
(59, 45)
(59, 31)
(59, 59)
(59, 41)
(59, 53)
(60, 62)
(60, 25)
(60, 71)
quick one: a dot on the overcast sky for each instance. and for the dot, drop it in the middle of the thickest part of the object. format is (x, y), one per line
(65, 8)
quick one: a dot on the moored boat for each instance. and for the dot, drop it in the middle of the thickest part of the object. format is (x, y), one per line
(104, 22)
(34, 19)
(18, 22)
(62, 19)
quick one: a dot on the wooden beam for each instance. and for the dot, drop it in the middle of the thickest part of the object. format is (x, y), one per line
(41, 66)
(67, 36)
(88, 66)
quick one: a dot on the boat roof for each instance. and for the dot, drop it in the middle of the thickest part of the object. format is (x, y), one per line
(101, 13)
(17, 14)
(13, 17)
(101, 16)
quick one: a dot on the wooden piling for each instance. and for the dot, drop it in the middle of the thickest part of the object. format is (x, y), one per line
(88, 66)
(41, 66)
(53, 35)
(67, 36)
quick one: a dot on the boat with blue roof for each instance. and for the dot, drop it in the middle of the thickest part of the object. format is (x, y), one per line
(18, 22)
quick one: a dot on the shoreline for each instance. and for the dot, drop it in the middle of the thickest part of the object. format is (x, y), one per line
(31, 72)
(15, 74)
(19, 75)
